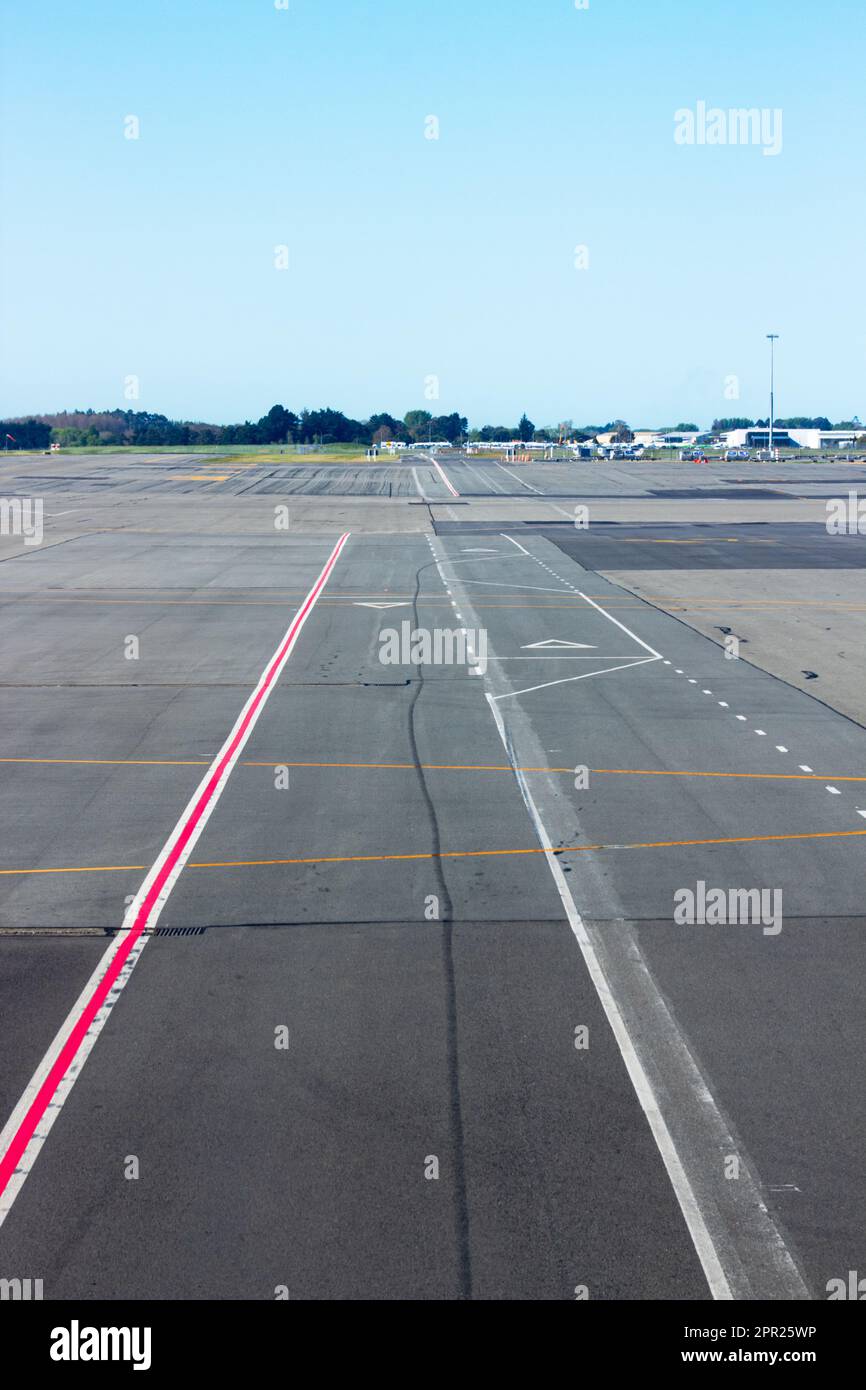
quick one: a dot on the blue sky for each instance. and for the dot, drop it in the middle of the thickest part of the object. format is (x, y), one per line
(412, 258)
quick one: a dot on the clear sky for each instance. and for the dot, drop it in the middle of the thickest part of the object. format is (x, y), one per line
(410, 257)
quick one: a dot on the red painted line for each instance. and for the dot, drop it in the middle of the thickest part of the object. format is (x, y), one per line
(444, 476)
(42, 1100)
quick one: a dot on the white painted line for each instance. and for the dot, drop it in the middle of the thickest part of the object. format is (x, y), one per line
(570, 656)
(525, 588)
(421, 492)
(804, 767)
(741, 717)
(400, 604)
(31, 1120)
(680, 673)
(521, 548)
(691, 681)
(834, 790)
(446, 480)
(551, 643)
(537, 490)
(641, 661)
(860, 813)
(724, 1272)
(706, 692)
(657, 656)
(780, 748)
(487, 482)
(694, 1219)
(724, 704)
(762, 733)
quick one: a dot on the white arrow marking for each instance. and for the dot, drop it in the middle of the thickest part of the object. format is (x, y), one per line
(381, 605)
(553, 642)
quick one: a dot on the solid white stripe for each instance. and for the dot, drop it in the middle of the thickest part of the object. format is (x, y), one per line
(701, 1238)
(40, 1134)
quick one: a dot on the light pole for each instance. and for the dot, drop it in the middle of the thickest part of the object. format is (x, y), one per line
(772, 338)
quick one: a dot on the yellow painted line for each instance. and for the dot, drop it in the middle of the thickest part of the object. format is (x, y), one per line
(489, 600)
(442, 600)
(202, 477)
(663, 772)
(655, 540)
(763, 602)
(116, 762)
(435, 767)
(443, 767)
(160, 602)
(85, 869)
(448, 853)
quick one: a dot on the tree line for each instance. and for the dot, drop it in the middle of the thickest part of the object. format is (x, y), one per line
(792, 422)
(123, 428)
(119, 428)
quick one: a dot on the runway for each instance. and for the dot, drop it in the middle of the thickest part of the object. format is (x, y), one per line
(409, 1015)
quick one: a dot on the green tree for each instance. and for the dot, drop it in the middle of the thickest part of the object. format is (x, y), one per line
(417, 422)
(525, 428)
(450, 427)
(384, 421)
(278, 425)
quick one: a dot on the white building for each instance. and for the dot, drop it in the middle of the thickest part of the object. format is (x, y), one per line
(759, 438)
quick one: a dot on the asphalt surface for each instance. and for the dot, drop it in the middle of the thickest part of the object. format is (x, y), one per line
(372, 880)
